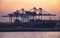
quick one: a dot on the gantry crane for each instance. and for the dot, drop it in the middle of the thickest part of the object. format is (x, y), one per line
(32, 12)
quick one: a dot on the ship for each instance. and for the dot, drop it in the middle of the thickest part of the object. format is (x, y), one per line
(30, 21)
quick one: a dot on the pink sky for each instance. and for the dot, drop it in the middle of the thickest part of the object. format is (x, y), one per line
(12, 5)
(9, 6)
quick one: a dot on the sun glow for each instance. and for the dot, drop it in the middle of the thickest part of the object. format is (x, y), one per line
(27, 4)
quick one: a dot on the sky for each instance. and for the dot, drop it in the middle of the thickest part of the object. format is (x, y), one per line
(29, 34)
(9, 6)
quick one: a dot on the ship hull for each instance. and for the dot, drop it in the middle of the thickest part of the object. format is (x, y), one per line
(30, 26)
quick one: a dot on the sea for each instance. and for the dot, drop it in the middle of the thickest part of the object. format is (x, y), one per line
(29, 34)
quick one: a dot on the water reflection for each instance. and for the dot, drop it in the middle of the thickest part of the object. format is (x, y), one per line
(29, 34)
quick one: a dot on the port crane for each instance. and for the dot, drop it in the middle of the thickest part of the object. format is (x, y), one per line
(32, 12)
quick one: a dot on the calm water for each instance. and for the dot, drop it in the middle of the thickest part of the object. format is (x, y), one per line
(29, 34)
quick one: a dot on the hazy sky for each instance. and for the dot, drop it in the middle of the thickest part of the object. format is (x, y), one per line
(28, 4)
(8, 6)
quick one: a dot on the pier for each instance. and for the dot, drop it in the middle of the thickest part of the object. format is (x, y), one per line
(32, 19)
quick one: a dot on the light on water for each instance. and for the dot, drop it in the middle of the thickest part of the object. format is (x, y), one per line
(29, 34)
